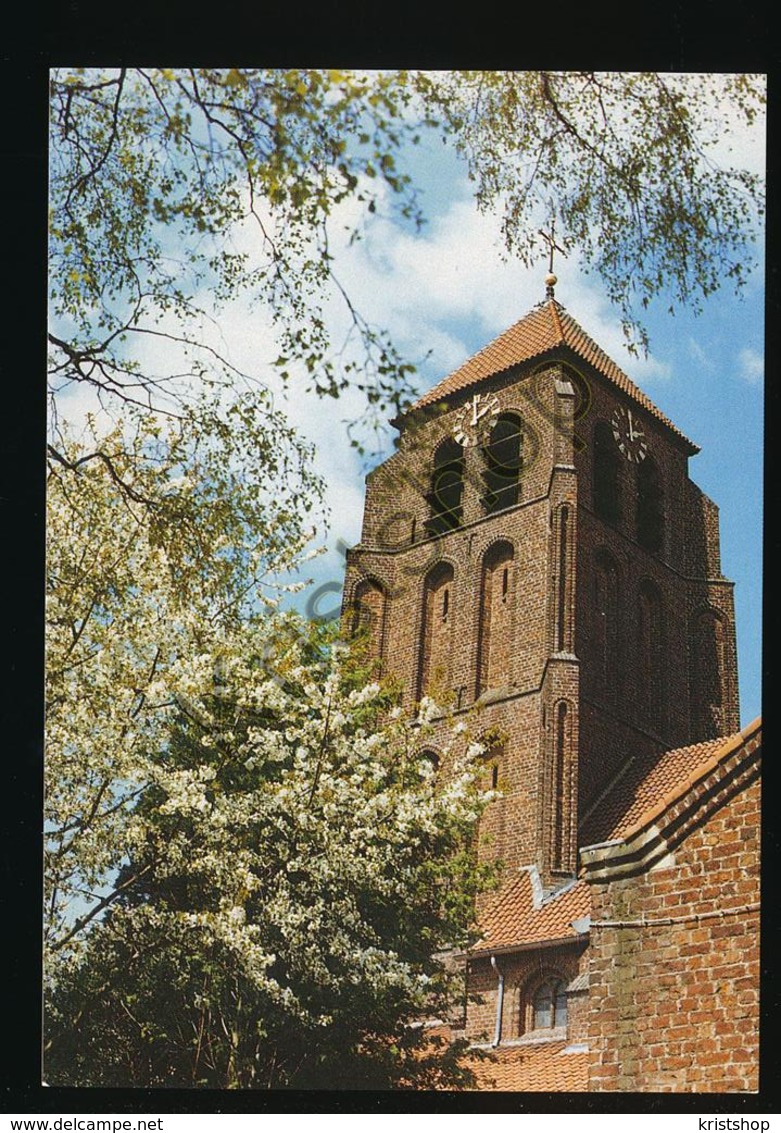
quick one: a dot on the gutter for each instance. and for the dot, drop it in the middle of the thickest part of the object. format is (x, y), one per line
(528, 946)
(499, 1002)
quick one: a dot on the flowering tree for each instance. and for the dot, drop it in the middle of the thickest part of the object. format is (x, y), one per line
(293, 869)
(161, 538)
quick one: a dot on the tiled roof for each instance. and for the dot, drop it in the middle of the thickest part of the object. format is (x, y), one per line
(535, 1068)
(547, 327)
(647, 782)
(519, 915)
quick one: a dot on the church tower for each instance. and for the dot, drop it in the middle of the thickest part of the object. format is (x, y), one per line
(535, 555)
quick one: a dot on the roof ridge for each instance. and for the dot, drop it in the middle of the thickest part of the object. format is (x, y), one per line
(651, 778)
(726, 747)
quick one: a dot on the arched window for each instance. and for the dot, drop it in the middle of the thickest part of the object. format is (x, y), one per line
(497, 591)
(559, 804)
(564, 563)
(650, 506)
(437, 632)
(708, 639)
(503, 460)
(492, 759)
(369, 606)
(549, 1005)
(606, 635)
(606, 467)
(429, 757)
(652, 662)
(447, 488)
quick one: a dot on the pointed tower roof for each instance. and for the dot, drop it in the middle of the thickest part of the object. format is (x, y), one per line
(547, 327)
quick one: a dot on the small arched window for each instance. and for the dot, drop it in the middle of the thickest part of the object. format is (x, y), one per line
(606, 467)
(549, 1006)
(503, 460)
(650, 506)
(430, 760)
(447, 488)
(436, 642)
(494, 659)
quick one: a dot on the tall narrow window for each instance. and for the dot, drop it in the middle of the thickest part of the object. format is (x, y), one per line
(560, 788)
(650, 506)
(651, 659)
(496, 618)
(369, 608)
(436, 646)
(503, 461)
(447, 488)
(707, 638)
(562, 582)
(606, 468)
(606, 636)
(492, 760)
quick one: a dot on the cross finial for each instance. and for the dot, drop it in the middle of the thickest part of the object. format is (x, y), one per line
(550, 240)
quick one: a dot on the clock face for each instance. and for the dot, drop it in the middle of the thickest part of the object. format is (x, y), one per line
(629, 434)
(479, 413)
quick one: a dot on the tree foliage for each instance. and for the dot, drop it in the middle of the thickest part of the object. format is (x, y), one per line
(293, 869)
(153, 174)
(162, 536)
(628, 169)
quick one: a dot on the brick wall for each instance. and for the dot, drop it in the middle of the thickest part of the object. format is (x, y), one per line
(523, 972)
(509, 608)
(646, 704)
(675, 1007)
(514, 649)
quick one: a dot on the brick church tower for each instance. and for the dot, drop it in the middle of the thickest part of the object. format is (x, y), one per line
(535, 554)
(536, 561)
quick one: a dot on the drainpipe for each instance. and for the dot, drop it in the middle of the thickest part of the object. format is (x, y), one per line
(499, 1002)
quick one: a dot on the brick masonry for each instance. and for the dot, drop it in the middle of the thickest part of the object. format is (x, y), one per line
(564, 635)
(442, 627)
(675, 1006)
(523, 972)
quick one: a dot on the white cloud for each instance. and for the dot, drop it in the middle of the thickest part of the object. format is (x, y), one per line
(751, 366)
(701, 357)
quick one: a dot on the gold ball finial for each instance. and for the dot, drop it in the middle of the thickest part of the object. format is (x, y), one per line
(550, 282)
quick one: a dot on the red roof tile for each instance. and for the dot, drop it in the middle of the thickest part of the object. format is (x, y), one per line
(645, 783)
(547, 326)
(518, 915)
(542, 1067)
